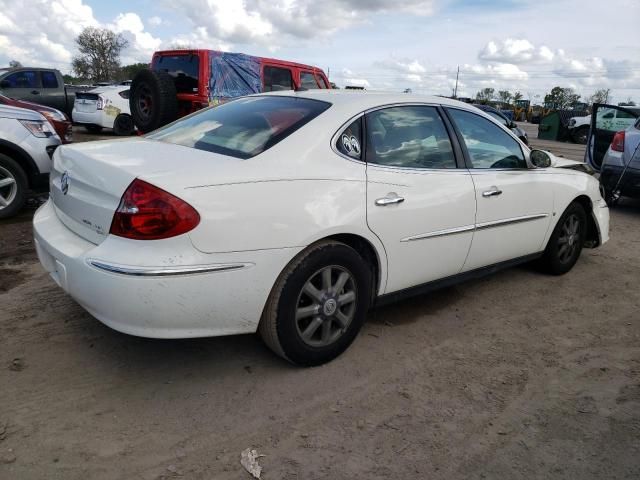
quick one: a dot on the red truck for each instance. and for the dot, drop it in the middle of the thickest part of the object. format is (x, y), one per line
(180, 82)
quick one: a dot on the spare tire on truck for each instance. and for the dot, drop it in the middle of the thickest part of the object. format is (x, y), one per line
(153, 100)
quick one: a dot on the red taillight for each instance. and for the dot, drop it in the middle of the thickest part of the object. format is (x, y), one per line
(618, 142)
(147, 212)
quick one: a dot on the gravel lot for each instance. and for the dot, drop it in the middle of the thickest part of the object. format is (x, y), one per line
(516, 376)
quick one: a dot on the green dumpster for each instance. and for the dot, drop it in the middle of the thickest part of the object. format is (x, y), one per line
(549, 128)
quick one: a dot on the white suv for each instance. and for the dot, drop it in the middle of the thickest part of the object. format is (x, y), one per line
(27, 143)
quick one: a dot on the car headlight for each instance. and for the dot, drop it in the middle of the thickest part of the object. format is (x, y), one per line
(38, 128)
(55, 116)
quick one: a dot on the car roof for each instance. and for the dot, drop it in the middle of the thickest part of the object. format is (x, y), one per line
(361, 100)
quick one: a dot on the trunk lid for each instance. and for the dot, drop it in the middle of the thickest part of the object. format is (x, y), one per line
(89, 179)
(86, 102)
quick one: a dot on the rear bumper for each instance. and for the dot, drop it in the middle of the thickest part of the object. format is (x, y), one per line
(99, 118)
(129, 287)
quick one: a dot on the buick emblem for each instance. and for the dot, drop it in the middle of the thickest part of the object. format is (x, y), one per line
(64, 182)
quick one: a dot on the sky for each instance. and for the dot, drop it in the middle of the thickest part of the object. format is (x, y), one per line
(524, 45)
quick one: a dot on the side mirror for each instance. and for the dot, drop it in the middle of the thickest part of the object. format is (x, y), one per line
(5, 84)
(540, 159)
(512, 125)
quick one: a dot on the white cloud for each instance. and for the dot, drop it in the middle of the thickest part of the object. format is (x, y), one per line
(155, 21)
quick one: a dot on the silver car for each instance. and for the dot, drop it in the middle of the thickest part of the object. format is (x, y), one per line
(620, 173)
(27, 143)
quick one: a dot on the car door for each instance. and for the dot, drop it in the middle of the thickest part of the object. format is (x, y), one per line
(420, 203)
(606, 120)
(51, 93)
(22, 85)
(514, 202)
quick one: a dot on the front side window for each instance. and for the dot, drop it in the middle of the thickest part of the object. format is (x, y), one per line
(488, 145)
(276, 78)
(350, 141)
(308, 81)
(410, 137)
(499, 118)
(49, 80)
(243, 128)
(24, 79)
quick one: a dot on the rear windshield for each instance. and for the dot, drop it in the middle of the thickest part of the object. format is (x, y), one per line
(183, 69)
(244, 127)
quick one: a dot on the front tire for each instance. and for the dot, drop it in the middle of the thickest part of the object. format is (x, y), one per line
(566, 242)
(13, 187)
(93, 128)
(318, 304)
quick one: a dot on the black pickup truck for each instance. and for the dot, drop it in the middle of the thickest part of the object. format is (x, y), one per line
(44, 86)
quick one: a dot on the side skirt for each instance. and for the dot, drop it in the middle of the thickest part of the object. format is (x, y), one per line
(393, 297)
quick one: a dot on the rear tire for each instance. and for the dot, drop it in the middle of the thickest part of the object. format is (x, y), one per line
(580, 135)
(123, 125)
(566, 242)
(153, 100)
(13, 187)
(318, 304)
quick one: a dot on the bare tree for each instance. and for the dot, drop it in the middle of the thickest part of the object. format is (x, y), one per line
(601, 96)
(99, 57)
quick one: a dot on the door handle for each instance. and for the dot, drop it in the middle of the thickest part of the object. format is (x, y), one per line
(494, 191)
(390, 199)
(35, 92)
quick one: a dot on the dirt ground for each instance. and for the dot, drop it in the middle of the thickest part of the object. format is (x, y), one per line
(516, 376)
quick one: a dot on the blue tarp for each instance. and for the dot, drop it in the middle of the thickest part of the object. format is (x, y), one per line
(233, 75)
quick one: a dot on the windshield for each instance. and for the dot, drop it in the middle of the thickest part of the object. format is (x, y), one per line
(183, 69)
(243, 128)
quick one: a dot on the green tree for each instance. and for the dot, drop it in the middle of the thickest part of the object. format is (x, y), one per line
(99, 54)
(15, 64)
(517, 96)
(561, 98)
(485, 95)
(505, 96)
(127, 72)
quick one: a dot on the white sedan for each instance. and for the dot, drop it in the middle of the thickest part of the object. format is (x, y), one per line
(104, 107)
(293, 213)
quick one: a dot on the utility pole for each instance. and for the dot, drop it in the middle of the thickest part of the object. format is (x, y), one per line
(455, 92)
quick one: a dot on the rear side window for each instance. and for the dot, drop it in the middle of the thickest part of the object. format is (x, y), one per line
(183, 68)
(410, 137)
(350, 141)
(25, 79)
(276, 78)
(243, 128)
(308, 81)
(49, 80)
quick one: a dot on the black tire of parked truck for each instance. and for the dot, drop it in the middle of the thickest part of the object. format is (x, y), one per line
(13, 187)
(153, 100)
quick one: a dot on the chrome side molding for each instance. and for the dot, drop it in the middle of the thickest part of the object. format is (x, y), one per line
(164, 271)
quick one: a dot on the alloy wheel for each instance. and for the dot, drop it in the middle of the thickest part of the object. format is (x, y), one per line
(8, 188)
(569, 239)
(326, 306)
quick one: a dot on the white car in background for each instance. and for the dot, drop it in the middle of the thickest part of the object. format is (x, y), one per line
(293, 213)
(104, 107)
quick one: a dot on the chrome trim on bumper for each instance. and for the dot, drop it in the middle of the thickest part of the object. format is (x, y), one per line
(473, 228)
(164, 271)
